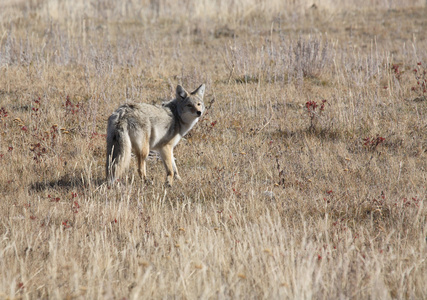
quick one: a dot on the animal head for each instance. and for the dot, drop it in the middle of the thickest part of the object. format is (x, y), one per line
(191, 104)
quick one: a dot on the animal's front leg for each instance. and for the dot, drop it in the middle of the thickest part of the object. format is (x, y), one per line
(167, 157)
(175, 169)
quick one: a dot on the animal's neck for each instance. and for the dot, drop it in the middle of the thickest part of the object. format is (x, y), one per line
(187, 127)
(174, 109)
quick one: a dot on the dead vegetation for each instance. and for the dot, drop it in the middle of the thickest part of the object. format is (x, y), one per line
(306, 178)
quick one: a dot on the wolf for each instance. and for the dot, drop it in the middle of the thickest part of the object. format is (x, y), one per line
(142, 127)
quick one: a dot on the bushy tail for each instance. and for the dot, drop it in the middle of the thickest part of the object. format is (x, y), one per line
(118, 149)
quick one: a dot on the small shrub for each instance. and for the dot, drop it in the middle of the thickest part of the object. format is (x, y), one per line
(371, 143)
(420, 74)
(314, 111)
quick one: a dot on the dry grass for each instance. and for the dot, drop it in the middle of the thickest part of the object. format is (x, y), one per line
(276, 201)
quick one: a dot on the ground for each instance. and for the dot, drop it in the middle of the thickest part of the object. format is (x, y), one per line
(305, 178)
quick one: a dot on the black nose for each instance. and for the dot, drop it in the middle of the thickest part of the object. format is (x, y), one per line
(199, 113)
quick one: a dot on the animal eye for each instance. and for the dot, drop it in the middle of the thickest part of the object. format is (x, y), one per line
(189, 105)
(198, 104)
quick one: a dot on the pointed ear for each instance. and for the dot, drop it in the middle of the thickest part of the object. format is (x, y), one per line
(181, 93)
(200, 91)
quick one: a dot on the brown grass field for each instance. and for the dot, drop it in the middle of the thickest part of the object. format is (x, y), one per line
(306, 178)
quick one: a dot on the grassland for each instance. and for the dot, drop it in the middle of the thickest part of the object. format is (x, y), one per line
(281, 198)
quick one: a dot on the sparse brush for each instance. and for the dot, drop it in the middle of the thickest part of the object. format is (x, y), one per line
(420, 75)
(314, 112)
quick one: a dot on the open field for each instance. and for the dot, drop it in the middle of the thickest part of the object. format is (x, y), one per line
(305, 179)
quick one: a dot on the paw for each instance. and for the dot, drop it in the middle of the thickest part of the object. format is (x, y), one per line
(169, 181)
(148, 181)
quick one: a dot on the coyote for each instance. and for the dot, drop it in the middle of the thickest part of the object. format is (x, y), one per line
(143, 127)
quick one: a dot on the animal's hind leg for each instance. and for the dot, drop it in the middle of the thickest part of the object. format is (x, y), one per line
(142, 156)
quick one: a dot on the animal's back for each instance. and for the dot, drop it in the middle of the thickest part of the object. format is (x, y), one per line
(142, 120)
